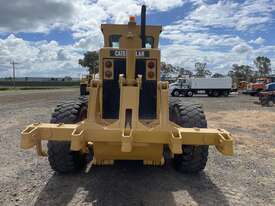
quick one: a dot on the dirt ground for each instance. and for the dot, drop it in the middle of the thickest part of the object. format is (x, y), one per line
(247, 178)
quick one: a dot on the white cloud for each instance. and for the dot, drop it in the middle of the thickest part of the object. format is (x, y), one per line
(259, 41)
(38, 59)
(242, 16)
(81, 17)
(190, 39)
(242, 48)
(44, 15)
(202, 39)
(187, 56)
(163, 5)
(217, 61)
(34, 16)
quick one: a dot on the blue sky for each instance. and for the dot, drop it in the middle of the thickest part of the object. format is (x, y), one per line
(47, 37)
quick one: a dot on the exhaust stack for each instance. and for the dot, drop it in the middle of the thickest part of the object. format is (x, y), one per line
(143, 26)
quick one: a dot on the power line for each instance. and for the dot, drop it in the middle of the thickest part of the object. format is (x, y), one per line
(13, 72)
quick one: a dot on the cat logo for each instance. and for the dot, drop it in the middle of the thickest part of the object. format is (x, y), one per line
(118, 53)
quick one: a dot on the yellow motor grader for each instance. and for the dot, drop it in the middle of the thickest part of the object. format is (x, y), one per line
(127, 114)
(84, 82)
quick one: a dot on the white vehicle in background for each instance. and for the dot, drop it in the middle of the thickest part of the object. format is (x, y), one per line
(213, 87)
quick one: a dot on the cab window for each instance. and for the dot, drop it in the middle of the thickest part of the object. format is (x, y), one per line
(182, 81)
(149, 43)
(114, 41)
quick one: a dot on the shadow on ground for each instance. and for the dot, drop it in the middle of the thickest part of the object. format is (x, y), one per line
(130, 184)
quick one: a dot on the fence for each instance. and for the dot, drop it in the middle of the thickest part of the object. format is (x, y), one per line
(39, 83)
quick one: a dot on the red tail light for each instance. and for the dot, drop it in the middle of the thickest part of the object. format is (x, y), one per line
(108, 71)
(108, 64)
(151, 68)
(151, 64)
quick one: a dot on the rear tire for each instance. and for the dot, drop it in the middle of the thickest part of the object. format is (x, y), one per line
(270, 103)
(83, 91)
(189, 93)
(61, 158)
(194, 158)
(266, 101)
(216, 93)
(176, 93)
(226, 93)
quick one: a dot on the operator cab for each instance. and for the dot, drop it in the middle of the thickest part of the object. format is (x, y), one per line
(125, 36)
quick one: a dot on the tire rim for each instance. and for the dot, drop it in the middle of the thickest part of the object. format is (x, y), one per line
(270, 103)
(189, 93)
(176, 93)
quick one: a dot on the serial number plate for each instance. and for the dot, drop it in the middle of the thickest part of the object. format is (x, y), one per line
(123, 53)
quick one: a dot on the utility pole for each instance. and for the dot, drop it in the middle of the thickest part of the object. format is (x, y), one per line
(13, 72)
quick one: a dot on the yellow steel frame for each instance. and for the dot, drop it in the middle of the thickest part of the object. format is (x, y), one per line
(127, 137)
(138, 140)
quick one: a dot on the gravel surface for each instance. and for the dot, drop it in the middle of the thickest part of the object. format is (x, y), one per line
(247, 178)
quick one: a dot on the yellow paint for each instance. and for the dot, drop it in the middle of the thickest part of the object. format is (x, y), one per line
(128, 138)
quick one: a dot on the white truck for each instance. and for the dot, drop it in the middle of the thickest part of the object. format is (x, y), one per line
(213, 87)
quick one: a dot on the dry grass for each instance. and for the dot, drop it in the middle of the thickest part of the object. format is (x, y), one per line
(248, 127)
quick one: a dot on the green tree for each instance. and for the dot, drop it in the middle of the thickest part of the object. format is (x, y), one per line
(201, 70)
(183, 71)
(91, 61)
(263, 64)
(217, 75)
(241, 73)
(167, 69)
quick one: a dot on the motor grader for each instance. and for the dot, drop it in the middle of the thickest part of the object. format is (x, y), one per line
(127, 114)
(84, 82)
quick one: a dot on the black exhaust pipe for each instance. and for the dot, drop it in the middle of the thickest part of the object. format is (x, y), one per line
(143, 26)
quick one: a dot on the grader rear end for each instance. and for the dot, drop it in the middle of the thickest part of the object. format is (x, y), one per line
(127, 115)
(84, 82)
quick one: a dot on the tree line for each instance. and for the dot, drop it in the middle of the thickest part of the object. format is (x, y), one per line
(237, 72)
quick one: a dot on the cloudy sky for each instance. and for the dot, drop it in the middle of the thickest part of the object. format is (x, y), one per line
(47, 37)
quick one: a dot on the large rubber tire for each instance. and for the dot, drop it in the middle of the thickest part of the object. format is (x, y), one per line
(270, 103)
(189, 93)
(61, 159)
(194, 158)
(83, 91)
(226, 93)
(216, 93)
(267, 101)
(209, 94)
(176, 93)
(263, 101)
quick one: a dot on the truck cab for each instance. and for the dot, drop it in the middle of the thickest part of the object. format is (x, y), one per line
(260, 85)
(182, 84)
(270, 87)
(267, 97)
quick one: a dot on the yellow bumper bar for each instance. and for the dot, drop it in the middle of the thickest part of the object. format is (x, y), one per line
(79, 136)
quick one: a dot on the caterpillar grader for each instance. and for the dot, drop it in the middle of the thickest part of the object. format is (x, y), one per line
(127, 114)
(84, 82)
